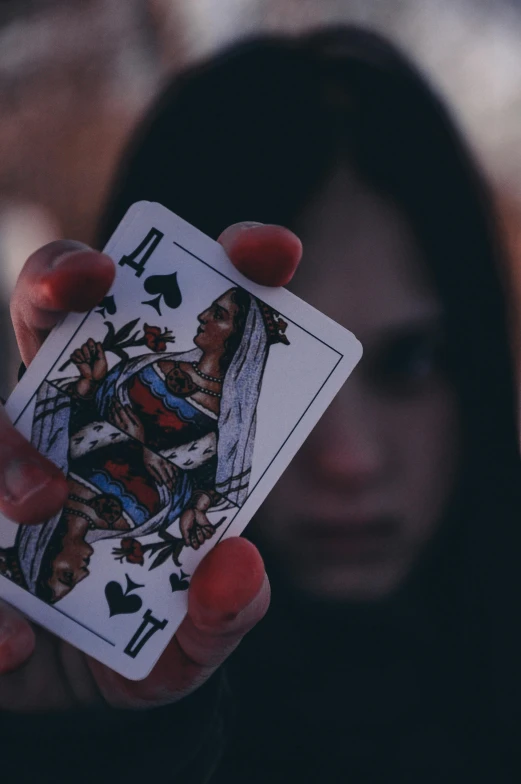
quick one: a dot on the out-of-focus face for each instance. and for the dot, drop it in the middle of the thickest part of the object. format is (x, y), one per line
(356, 508)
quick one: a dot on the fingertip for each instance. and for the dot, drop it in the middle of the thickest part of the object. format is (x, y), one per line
(226, 581)
(77, 283)
(264, 253)
(33, 504)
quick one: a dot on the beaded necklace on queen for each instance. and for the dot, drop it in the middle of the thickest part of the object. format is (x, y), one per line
(214, 379)
(208, 391)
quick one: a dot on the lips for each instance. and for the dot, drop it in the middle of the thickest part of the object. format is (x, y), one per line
(349, 539)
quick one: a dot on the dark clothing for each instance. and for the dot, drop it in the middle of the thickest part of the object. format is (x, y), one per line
(368, 697)
(179, 743)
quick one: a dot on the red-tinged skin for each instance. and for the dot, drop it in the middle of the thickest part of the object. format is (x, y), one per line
(229, 592)
(266, 254)
(233, 579)
(45, 293)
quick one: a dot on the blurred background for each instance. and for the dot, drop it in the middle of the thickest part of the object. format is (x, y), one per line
(75, 77)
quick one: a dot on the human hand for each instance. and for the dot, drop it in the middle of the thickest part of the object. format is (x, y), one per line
(91, 361)
(229, 591)
(161, 470)
(195, 527)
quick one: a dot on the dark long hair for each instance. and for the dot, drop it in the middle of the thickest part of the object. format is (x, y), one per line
(251, 136)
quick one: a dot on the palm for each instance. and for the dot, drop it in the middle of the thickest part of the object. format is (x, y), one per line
(60, 677)
(56, 677)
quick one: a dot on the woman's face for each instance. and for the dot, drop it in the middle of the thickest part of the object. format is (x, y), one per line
(216, 324)
(355, 509)
(71, 565)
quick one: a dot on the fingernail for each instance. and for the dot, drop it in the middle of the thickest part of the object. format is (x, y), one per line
(23, 479)
(73, 247)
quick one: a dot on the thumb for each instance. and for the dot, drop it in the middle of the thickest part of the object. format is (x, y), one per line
(228, 595)
(265, 253)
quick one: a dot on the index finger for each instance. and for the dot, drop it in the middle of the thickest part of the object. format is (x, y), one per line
(61, 277)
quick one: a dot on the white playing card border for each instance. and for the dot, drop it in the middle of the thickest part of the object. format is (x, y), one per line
(330, 334)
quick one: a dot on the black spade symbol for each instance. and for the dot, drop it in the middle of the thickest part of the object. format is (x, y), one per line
(165, 286)
(119, 603)
(108, 305)
(177, 583)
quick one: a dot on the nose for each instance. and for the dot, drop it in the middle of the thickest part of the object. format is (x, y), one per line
(347, 450)
(203, 317)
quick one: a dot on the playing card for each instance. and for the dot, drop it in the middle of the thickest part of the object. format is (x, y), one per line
(172, 408)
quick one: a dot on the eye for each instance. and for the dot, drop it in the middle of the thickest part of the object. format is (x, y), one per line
(406, 363)
(67, 578)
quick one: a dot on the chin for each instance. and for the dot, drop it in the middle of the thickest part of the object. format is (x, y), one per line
(202, 342)
(59, 594)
